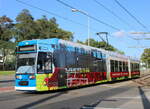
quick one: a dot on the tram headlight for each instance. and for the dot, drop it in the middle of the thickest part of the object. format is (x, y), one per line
(32, 77)
(18, 77)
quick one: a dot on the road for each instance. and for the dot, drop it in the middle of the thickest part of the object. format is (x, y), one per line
(125, 94)
(120, 95)
(6, 80)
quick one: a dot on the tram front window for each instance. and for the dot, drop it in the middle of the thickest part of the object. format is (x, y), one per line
(44, 63)
(26, 63)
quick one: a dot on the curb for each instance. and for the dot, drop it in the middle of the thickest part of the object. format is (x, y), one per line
(4, 89)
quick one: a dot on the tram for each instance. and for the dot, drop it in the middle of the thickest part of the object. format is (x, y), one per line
(52, 64)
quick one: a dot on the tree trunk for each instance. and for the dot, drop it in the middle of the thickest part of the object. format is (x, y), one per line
(4, 58)
(3, 66)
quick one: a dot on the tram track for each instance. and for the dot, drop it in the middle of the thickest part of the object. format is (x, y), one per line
(143, 81)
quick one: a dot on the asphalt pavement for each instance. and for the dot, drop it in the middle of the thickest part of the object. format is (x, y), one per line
(117, 95)
(120, 95)
(7, 80)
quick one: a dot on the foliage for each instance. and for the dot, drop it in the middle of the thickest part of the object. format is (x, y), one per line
(6, 34)
(7, 72)
(8, 51)
(6, 27)
(27, 28)
(146, 56)
(100, 44)
(50, 29)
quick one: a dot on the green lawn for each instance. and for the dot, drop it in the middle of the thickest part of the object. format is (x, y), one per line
(7, 72)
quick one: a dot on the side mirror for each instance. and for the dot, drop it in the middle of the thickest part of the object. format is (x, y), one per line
(38, 66)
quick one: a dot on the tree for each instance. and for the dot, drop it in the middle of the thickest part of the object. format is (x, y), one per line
(6, 34)
(50, 29)
(100, 44)
(25, 26)
(6, 27)
(145, 57)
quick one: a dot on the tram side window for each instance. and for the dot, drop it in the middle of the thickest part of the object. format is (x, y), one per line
(112, 64)
(120, 66)
(81, 61)
(126, 67)
(116, 66)
(96, 63)
(132, 67)
(104, 69)
(95, 54)
(44, 64)
(70, 59)
(99, 55)
(136, 67)
(100, 63)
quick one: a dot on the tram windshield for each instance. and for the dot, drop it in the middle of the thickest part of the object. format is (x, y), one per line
(26, 63)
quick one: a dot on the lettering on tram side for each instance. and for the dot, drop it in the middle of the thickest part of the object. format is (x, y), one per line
(76, 76)
(83, 76)
(119, 74)
(77, 70)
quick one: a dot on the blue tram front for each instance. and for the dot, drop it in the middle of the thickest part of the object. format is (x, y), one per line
(34, 65)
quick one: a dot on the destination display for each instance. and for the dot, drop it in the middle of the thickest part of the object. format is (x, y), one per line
(27, 48)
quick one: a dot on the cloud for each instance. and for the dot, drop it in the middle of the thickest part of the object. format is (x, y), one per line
(119, 33)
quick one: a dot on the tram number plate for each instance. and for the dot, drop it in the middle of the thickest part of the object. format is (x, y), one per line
(23, 83)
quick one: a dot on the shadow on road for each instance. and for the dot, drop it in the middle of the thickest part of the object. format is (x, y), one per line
(93, 105)
(145, 101)
(40, 101)
(5, 81)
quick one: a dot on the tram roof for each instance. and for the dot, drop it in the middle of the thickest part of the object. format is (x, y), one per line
(89, 48)
(73, 44)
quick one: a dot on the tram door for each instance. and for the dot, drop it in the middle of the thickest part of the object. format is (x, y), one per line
(62, 76)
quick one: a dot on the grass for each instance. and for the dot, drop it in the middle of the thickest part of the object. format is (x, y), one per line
(7, 72)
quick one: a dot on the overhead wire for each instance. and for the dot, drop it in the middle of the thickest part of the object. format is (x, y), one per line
(64, 18)
(102, 22)
(113, 13)
(131, 15)
(51, 13)
(113, 27)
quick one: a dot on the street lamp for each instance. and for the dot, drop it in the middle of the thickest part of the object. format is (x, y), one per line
(88, 23)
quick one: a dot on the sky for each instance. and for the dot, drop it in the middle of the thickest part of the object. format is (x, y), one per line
(76, 22)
